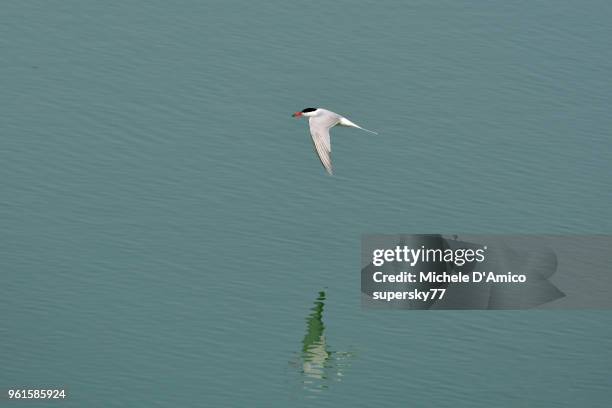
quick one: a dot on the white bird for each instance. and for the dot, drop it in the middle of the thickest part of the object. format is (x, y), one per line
(320, 121)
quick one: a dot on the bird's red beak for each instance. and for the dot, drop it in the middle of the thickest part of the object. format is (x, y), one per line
(297, 114)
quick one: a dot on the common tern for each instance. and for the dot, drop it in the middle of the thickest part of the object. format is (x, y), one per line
(320, 121)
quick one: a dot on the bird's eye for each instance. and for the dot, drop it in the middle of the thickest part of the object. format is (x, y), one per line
(309, 110)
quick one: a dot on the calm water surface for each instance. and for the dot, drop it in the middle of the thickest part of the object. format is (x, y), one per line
(170, 239)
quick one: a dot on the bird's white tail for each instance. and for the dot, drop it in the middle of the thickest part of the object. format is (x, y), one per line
(346, 122)
(369, 131)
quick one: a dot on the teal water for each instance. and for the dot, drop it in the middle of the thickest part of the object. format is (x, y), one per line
(170, 239)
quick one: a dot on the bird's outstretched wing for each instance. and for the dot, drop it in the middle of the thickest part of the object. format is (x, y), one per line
(319, 130)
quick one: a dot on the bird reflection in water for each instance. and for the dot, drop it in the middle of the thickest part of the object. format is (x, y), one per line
(319, 365)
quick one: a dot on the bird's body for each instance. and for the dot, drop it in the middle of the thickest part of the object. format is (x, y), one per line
(321, 121)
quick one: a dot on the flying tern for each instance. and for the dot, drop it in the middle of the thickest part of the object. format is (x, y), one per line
(320, 121)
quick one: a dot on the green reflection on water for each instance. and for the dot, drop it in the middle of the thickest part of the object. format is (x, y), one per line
(319, 364)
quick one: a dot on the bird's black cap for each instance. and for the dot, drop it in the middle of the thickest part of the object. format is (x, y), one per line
(309, 110)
